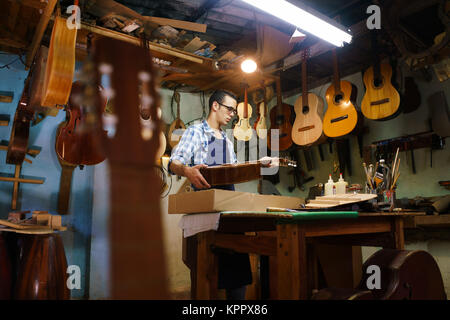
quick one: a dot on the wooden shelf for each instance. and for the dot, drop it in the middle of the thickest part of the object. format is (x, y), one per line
(442, 220)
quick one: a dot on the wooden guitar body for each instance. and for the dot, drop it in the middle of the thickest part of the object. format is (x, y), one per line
(381, 100)
(404, 275)
(177, 127)
(281, 120)
(260, 125)
(341, 116)
(308, 127)
(176, 130)
(60, 64)
(243, 130)
(74, 144)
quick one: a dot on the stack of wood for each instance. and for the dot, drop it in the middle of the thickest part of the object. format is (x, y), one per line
(41, 222)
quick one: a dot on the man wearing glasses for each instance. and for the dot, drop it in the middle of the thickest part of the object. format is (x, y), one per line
(202, 145)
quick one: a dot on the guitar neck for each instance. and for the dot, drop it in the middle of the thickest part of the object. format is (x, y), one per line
(376, 57)
(245, 103)
(279, 100)
(336, 79)
(304, 83)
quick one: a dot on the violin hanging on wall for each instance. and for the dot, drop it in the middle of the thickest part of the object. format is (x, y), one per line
(243, 131)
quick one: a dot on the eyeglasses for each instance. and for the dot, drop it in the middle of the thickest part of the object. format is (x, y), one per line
(229, 109)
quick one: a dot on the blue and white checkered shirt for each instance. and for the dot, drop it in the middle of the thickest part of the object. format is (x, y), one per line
(193, 146)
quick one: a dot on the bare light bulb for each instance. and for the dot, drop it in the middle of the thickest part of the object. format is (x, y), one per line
(248, 66)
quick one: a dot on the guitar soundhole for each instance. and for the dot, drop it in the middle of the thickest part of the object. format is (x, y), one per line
(305, 109)
(378, 82)
(338, 98)
(280, 120)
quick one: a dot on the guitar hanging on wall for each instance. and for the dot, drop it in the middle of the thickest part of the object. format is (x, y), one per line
(280, 119)
(177, 127)
(341, 117)
(307, 128)
(381, 100)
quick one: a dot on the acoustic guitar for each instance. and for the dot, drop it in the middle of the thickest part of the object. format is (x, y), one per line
(381, 100)
(260, 125)
(307, 128)
(60, 64)
(239, 172)
(136, 247)
(281, 120)
(177, 127)
(243, 131)
(341, 117)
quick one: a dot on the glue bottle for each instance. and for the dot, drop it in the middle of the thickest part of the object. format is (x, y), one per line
(341, 184)
(329, 187)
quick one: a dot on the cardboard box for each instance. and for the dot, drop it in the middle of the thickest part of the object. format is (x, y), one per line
(216, 200)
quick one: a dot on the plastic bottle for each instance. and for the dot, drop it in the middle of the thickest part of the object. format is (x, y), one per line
(341, 184)
(329, 187)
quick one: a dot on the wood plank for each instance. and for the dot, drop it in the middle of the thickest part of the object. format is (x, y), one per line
(433, 221)
(247, 244)
(6, 96)
(13, 13)
(40, 29)
(291, 258)
(13, 178)
(206, 267)
(186, 25)
(153, 46)
(37, 4)
(355, 226)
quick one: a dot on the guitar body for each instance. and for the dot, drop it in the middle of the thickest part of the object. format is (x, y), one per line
(260, 125)
(281, 120)
(73, 144)
(60, 64)
(341, 117)
(176, 130)
(308, 128)
(381, 100)
(243, 130)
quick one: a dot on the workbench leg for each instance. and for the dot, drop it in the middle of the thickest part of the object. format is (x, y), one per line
(207, 274)
(399, 235)
(292, 264)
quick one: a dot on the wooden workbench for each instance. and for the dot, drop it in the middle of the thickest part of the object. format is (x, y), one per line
(289, 245)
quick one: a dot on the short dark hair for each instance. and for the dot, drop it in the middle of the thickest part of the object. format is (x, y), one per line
(219, 96)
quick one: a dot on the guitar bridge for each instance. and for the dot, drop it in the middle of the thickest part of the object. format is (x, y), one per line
(378, 102)
(306, 128)
(339, 118)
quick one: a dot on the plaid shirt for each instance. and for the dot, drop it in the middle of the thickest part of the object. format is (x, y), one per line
(193, 146)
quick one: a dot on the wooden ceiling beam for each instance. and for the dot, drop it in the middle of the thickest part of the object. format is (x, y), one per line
(40, 29)
(37, 4)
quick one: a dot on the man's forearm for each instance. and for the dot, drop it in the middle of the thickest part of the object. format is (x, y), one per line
(178, 168)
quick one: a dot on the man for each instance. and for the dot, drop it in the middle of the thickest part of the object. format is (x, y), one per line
(202, 145)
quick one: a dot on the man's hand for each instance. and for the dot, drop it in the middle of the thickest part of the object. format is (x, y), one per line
(196, 178)
(269, 162)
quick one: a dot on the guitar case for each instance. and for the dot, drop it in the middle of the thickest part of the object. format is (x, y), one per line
(405, 275)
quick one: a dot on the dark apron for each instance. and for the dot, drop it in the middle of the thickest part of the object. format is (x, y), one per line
(233, 268)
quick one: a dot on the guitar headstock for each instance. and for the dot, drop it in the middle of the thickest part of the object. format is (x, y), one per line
(125, 71)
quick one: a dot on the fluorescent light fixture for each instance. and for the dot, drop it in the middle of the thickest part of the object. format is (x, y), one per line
(248, 66)
(303, 20)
